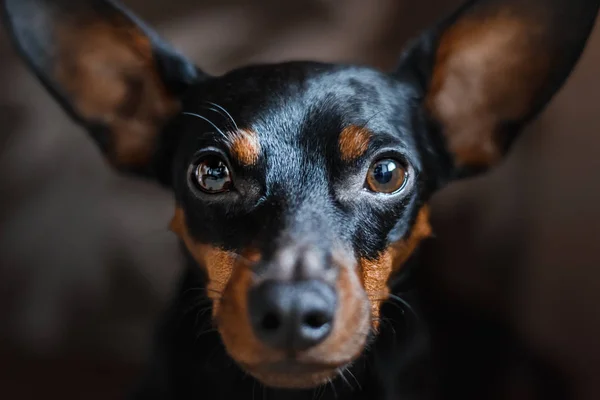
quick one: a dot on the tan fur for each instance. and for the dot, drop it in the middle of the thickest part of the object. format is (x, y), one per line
(245, 146)
(376, 273)
(361, 291)
(230, 278)
(218, 263)
(108, 72)
(485, 74)
(353, 142)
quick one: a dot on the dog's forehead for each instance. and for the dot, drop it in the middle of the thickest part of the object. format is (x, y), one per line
(293, 117)
(298, 99)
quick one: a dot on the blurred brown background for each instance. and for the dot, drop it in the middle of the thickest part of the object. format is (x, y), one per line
(87, 262)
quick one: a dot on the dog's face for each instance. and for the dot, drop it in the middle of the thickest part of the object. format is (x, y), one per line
(298, 187)
(301, 188)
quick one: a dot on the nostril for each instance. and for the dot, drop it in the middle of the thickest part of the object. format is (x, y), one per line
(292, 315)
(270, 308)
(316, 319)
(271, 322)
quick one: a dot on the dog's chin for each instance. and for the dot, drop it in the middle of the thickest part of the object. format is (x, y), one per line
(293, 375)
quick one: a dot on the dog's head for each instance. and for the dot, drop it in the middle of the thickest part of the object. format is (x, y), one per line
(301, 188)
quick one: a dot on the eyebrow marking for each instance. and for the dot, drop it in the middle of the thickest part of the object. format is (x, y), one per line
(245, 146)
(353, 142)
(243, 143)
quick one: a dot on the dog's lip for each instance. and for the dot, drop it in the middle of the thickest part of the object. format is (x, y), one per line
(293, 366)
(293, 374)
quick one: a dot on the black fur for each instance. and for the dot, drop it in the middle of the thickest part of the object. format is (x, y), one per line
(190, 360)
(299, 187)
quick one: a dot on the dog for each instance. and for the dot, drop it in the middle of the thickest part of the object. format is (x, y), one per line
(301, 188)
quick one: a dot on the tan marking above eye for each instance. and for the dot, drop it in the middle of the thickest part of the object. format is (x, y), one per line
(353, 142)
(245, 146)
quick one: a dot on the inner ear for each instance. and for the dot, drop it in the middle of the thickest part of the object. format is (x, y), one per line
(108, 72)
(487, 77)
(493, 66)
(107, 69)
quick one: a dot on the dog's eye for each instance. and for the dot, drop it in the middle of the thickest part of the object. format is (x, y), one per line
(386, 176)
(212, 174)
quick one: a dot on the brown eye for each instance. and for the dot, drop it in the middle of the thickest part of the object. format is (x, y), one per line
(212, 174)
(386, 176)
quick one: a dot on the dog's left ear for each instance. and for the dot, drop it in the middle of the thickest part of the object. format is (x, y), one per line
(492, 67)
(107, 69)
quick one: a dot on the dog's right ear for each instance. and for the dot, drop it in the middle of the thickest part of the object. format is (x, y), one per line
(108, 70)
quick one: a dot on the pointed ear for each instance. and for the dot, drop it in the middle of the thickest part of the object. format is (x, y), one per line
(108, 70)
(490, 68)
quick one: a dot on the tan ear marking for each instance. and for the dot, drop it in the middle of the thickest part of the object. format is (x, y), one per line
(107, 70)
(488, 70)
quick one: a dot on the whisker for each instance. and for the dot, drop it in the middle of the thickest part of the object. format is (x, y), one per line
(194, 289)
(341, 374)
(226, 112)
(405, 304)
(207, 325)
(390, 323)
(209, 121)
(201, 312)
(371, 118)
(322, 391)
(202, 300)
(204, 332)
(333, 388)
(316, 392)
(354, 377)
(202, 303)
(221, 114)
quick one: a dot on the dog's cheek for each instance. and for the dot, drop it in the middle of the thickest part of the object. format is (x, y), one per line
(218, 263)
(376, 273)
(349, 338)
(219, 268)
(401, 251)
(234, 323)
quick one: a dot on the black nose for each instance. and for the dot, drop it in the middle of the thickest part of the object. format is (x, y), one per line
(292, 315)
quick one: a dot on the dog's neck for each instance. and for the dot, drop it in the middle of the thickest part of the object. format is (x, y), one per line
(191, 361)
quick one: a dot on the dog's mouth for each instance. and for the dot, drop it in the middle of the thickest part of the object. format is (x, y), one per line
(327, 325)
(308, 366)
(292, 373)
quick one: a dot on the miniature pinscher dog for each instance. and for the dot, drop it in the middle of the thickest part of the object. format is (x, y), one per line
(301, 188)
